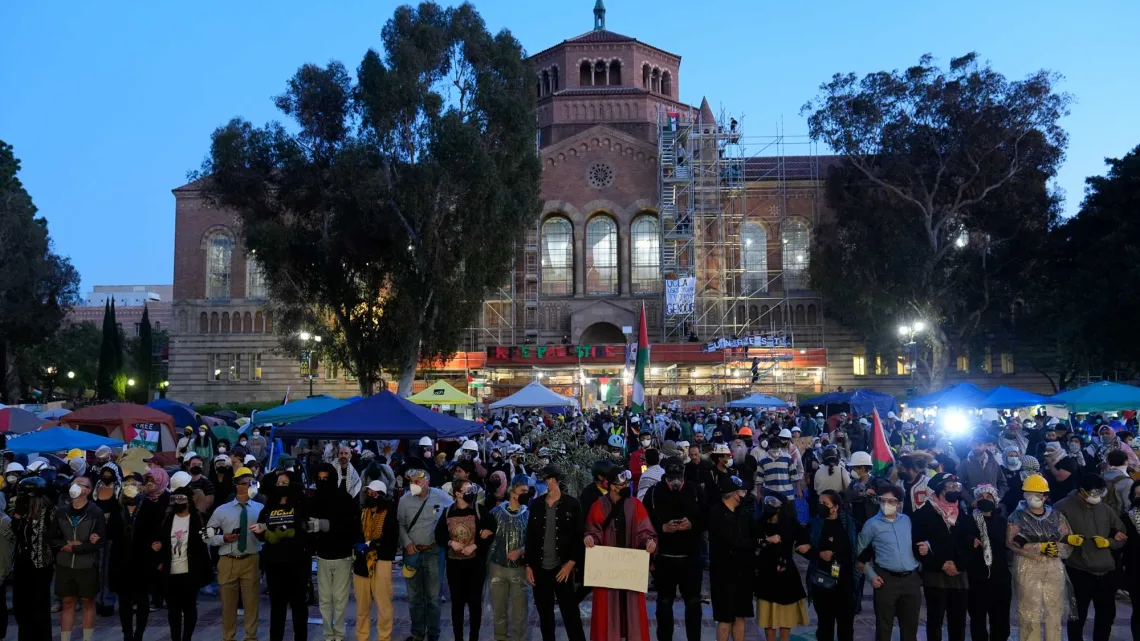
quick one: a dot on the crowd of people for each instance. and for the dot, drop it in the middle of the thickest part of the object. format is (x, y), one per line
(783, 510)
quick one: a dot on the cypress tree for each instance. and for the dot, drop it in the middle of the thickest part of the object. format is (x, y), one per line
(145, 359)
(105, 378)
(119, 376)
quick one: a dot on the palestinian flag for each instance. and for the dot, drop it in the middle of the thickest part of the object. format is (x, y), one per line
(881, 456)
(641, 366)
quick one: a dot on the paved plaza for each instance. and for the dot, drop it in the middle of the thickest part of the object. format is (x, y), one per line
(210, 622)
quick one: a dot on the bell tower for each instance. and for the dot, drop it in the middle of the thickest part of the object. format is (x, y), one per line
(599, 16)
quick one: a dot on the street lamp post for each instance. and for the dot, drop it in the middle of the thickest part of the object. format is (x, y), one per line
(307, 354)
(907, 333)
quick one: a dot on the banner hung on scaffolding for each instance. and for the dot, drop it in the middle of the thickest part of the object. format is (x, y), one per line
(679, 295)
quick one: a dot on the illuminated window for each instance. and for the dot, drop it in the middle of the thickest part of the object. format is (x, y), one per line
(255, 367)
(557, 257)
(900, 366)
(754, 258)
(254, 279)
(987, 365)
(1007, 363)
(217, 367)
(645, 263)
(964, 363)
(859, 365)
(235, 368)
(879, 371)
(601, 257)
(796, 238)
(219, 252)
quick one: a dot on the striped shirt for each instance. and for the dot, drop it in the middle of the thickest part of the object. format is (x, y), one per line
(779, 473)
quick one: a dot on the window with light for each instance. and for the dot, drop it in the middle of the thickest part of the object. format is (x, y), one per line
(557, 257)
(645, 263)
(796, 238)
(754, 258)
(219, 253)
(254, 279)
(601, 257)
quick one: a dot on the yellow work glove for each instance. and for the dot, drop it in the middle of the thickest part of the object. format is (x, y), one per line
(1075, 540)
(1101, 542)
(1049, 549)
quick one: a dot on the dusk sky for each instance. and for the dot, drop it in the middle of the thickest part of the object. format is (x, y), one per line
(108, 105)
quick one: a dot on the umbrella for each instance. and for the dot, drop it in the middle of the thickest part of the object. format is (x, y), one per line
(183, 414)
(229, 415)
(226, 432)
(53, 414)
(14, 420)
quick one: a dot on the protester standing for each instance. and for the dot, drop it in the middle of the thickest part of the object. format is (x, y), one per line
(894, 572)
(732, 544)
(372, 562)
(184, 561)
(945, 538)
(1037, 535)
(1131, 558)
(334, 522)
(988, 573)
(132, 526)
(464, 532)
(78, 533)
(282, 528)
(834, 580)
(417, 514)
(554, 539)
(33, 515)
(781, 602)
(676, 510)
(229, 530)
(506, 568)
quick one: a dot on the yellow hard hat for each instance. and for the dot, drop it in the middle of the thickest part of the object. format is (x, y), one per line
(242, 471)
(1035, 483)
(75, 453)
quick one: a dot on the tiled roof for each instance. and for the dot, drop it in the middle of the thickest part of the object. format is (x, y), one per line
(605, 90)
(194, 185)
(601, 35)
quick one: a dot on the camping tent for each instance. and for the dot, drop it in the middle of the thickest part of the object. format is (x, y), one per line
(125, 422)
(14, 420)
(860, 401)
(51, 415)
(1099, 397)
(758, 400)
(1008, 398)
(298, 410)
(440, 393)
(958, 395)
(183, 414)
(59, 439)
(382, 416)
(535, 395)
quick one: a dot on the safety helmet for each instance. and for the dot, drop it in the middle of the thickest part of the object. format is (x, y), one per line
(37, 466)
(425, 441)
(242, 472)
(15, 468)
(860, 459)
(469, 445)
(1035, 483)
(601, 467)
(616, 441)
(831, 452)
(179, 480)
(32, 486)
(745, 431)
(74, 453)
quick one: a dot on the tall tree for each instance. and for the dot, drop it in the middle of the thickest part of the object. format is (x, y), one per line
(105, 383)
(37, 286)
(144, 362)
(395, 203)
(942, 200)
(73, 348)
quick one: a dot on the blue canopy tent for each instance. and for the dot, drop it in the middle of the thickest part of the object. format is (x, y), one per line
(1099, 397)
(297, 410)
(183, 414)
(1008, 398)
(859, 401)
(59, 439)
(759, 400)
(382, 416)
(958, 395)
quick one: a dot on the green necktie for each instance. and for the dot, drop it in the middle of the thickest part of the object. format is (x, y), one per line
(243, 525)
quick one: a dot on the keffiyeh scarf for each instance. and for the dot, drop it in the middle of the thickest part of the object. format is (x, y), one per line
(984, 535)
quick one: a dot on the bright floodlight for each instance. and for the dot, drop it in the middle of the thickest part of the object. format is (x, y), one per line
(919, 326)
(71, 374)
(956, 423)
(903, 330)
(304, 336)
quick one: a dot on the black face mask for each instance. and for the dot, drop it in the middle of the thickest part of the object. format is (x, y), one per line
(196, 470)
(986, 505)
(953, 497)
(181, 508)
(624, 492)
(822, 511)
(1136, 501)
(373, 501)
(108, 480)
(747, 442)
(325, 485)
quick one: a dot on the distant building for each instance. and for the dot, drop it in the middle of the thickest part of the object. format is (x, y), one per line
(129, 302)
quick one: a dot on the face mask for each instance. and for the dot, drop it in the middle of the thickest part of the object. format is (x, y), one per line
(1014, 464)
(675, 484)
(1092, 500)
(764, 444)
(953, 497)
(624, 492)
(502, 438)
(201, 435)
(889, 510)
(75, 491)
(416, 490)
(822, 511)
(181, 507)
(729, 462)
(252, 491)
(986, 505)
(243, 442)
(646, 443)
(256, 434)
(1035, 502)
(222, 450)
(1136, 501)
(12, 480)
(196, 470)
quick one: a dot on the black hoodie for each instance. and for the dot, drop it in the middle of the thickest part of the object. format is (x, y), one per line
(285, 538)
(332, 504)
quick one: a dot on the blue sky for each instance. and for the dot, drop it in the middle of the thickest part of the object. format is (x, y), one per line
(109, 104)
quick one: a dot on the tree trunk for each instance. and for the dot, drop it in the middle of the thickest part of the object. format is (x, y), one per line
(4, 391)
(939, 358)
(408, 374)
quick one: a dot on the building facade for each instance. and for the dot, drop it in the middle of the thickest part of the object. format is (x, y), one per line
(640, 191)
(129, 303)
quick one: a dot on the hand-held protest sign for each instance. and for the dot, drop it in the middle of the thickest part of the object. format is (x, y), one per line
(617, 568)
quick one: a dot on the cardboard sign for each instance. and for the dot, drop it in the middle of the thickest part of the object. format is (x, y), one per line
(617, 568)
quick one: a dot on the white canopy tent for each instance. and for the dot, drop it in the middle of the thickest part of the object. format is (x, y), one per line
(535, 395)
(759, 400)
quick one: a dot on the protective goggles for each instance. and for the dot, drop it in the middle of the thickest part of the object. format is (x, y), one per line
(623, 478)
(415, 474)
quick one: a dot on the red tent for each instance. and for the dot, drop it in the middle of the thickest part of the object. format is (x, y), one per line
(127, 422)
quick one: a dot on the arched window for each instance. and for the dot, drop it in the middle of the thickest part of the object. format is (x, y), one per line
(203, 323)
(554, 79)
(545, 82)
(268, 322)
(254, 279)
(615, 72)
(225, 322)
(214, 326)
(667, 83)
(645, 76)
(801, 315)
(557, 257)
(754, 258)
(796, 238)
(258, 323)
(585, 74)
(247, 323)
(767, 319)
(538, 86)
(219, 254)
(655, 81)
(645, 261)
(812, 316)
(601, 257)
(600, 73)
(753, 315)
(236, 318)
(741, 316)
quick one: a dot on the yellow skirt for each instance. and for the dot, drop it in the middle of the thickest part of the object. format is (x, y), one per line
(776, 615)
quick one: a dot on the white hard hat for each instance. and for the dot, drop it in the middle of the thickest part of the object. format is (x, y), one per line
(891, 415)
(469, 445)
(635, 419)
(864, 421)
(785, 433)
(425, 441)
(37, 465)
(720, 448)
(796, 428)
(179, 480)
(249, 458)
(819, 414)
(860, 459)
(189, 456)
(13, 467)
(378, 486)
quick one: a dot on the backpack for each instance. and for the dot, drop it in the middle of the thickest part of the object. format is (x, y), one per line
(1112, 496)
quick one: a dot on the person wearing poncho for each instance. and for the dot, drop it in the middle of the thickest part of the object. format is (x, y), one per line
(991, 589)
(619, 520)
(1037, 535)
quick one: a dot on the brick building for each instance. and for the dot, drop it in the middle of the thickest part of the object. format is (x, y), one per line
(638, 189)
(129, 302)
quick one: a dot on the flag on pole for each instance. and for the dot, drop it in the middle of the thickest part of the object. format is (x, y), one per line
(641, 366)
(881, 456)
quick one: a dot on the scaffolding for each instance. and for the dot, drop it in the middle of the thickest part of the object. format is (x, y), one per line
(737, 214)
